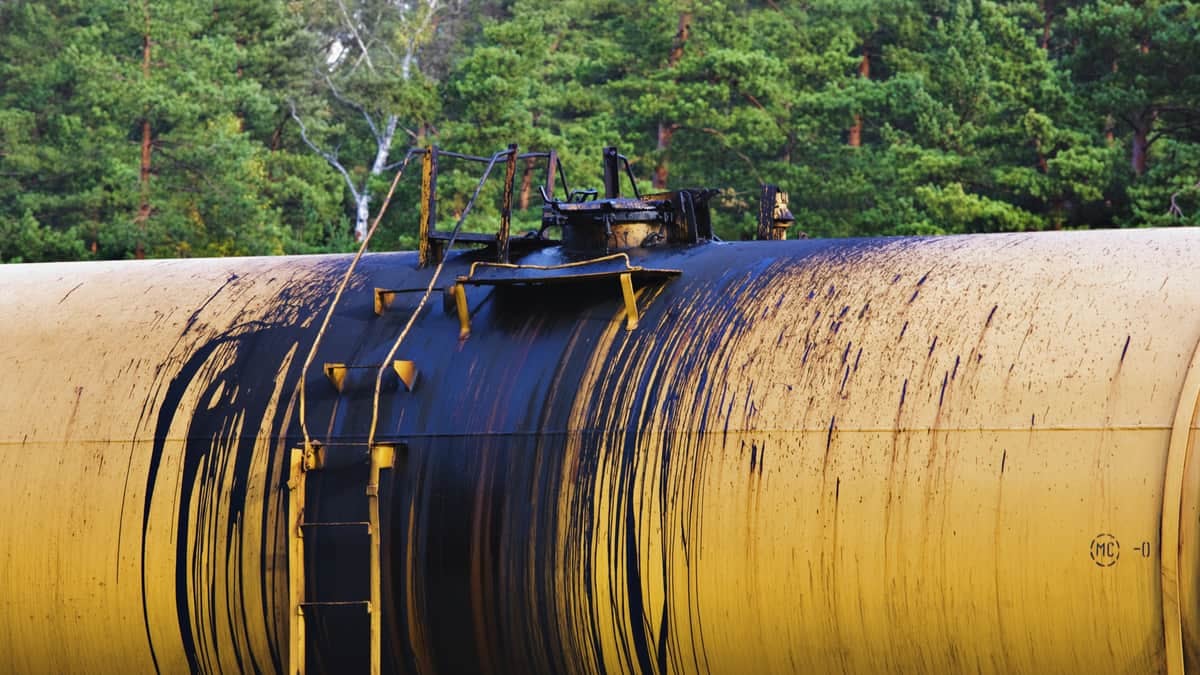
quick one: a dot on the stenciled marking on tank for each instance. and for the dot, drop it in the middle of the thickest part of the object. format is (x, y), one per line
(1105, 550)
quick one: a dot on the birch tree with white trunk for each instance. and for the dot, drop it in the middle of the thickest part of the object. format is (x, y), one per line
(370, 56)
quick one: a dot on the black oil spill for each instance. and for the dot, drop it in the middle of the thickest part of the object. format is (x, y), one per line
(234, 387)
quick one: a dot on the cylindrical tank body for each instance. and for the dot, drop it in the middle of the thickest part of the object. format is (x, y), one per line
(960, 454)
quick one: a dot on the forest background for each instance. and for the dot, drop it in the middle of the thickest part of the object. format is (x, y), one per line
(171, 128)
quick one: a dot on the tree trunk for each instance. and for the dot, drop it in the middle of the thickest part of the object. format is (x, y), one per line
(661, 169)
(362, 214)
(864, 71)
(362, 203)
(143, 213)
(526, 184)
(1139, 149)
(383, 145)
(1047, 21)
(1109, 122)
(667, 129)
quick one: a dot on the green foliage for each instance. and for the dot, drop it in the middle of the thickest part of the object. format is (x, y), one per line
(75, 94)
(879, 118)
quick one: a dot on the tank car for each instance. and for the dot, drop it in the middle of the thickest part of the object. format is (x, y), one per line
(630, 449)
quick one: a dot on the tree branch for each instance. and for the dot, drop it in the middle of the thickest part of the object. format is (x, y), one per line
(410, 47)
(750, 97)
(1171, 129)
(354, 32)
(329, 157)
(355, 105)
(1174, 209)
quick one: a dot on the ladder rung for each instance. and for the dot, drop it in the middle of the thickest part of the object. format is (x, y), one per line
(354, 523)
(339, 603)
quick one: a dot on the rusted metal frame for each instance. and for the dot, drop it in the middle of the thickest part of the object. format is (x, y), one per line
(552, 166)
(432, 250)
(510, 173)
(459, 155)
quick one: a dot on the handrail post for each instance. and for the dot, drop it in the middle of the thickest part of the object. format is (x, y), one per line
(510, 172)
(425, 252)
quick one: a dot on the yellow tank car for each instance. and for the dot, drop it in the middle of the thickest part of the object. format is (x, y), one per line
(932, 455)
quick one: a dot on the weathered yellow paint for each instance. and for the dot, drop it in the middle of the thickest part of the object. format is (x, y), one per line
(930, 506)
(631, 311)
(76, 438)
(917, 490)
(464, 312)
(336, 374)
(382, 457)
(383, 299)
(407, 372)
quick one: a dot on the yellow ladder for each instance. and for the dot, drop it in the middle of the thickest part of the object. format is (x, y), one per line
(314, 457)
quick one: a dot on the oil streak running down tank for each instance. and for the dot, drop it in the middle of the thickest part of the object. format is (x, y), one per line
(634, 451)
